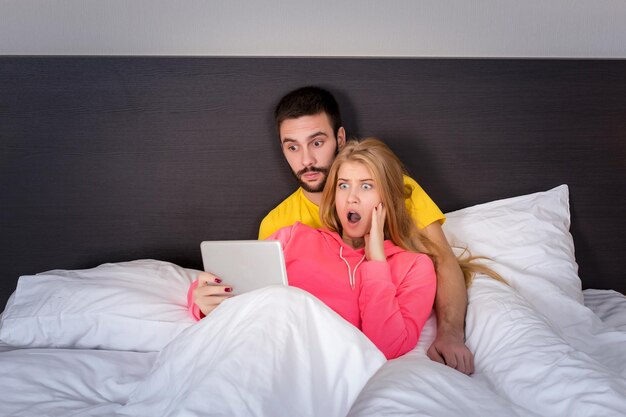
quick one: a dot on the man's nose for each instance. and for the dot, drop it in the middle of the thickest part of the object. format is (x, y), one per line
(308, 159)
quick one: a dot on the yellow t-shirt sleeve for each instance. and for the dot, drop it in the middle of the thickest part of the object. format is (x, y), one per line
(268, 226)
(422, 208)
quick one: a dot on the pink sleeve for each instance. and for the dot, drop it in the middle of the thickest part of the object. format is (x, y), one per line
(393, 316)
(193, 307)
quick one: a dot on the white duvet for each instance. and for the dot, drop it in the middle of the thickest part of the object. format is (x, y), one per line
(272, 352)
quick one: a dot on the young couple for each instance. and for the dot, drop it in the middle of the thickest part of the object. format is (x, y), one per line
(360, 235)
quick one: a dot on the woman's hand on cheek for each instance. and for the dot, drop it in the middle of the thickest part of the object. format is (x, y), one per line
(210, 292)
(375, 239)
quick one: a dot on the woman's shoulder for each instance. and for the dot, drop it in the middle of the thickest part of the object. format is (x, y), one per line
(414, 258)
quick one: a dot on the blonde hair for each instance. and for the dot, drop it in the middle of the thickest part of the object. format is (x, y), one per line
(388, 172)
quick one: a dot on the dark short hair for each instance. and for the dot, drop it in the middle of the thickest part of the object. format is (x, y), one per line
(308, 101)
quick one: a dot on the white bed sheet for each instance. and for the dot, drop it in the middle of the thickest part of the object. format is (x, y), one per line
(69, 382)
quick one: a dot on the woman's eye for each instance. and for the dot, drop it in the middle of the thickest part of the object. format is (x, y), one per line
(343, 186)
(367, 186)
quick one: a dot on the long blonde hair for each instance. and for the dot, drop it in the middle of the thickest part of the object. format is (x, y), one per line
(388, 172)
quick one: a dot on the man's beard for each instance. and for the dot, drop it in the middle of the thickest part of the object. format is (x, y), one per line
(319, 188)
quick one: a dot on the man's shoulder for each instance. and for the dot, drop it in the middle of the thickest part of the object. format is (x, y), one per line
(423, 209)
(416, 189)
(410, 181)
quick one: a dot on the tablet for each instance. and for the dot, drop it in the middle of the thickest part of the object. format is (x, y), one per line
(245, 264)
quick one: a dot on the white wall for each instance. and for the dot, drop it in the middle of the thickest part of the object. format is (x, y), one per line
(402, 28)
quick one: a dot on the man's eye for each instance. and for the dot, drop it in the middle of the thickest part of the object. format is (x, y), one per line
(318, 143)
(292, 148)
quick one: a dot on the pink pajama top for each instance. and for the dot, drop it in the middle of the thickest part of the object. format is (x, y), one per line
(388, 301)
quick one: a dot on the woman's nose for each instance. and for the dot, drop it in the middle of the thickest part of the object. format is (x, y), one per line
(353, 197)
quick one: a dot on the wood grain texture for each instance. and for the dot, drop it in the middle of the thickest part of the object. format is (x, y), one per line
(105, 159)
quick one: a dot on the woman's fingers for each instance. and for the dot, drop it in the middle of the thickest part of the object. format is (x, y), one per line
(378, 219)
(210, 292)
(207, 278)
(382, 215)
(374, 240)
(213, 289)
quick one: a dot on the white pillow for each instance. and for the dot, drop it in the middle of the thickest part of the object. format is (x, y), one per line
(528, 240)
(139, 305)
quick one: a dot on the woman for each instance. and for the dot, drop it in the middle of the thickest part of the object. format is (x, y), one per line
(367, 264)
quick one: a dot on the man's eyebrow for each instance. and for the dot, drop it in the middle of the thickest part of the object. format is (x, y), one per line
(316, 134)
(311, 136)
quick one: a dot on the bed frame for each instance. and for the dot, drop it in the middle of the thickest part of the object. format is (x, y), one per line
(106, 159)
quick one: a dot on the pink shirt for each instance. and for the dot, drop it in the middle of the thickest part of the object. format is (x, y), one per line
(388, 301)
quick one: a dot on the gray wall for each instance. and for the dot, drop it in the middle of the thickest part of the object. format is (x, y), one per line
(402, 28)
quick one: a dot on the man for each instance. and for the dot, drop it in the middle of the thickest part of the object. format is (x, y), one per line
(311, 133)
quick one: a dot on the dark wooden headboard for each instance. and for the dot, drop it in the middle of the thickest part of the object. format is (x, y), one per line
(105, 159)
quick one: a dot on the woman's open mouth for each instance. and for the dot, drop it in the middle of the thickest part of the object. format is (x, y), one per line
(353, 217)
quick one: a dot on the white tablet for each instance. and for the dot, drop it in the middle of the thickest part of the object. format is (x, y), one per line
(246, 265)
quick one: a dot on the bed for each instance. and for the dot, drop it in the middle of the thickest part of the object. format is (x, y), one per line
(114, 169)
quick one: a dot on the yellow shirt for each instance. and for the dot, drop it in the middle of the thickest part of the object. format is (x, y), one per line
(298, 208)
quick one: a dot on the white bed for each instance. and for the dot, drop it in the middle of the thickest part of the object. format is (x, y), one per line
(117, 340)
